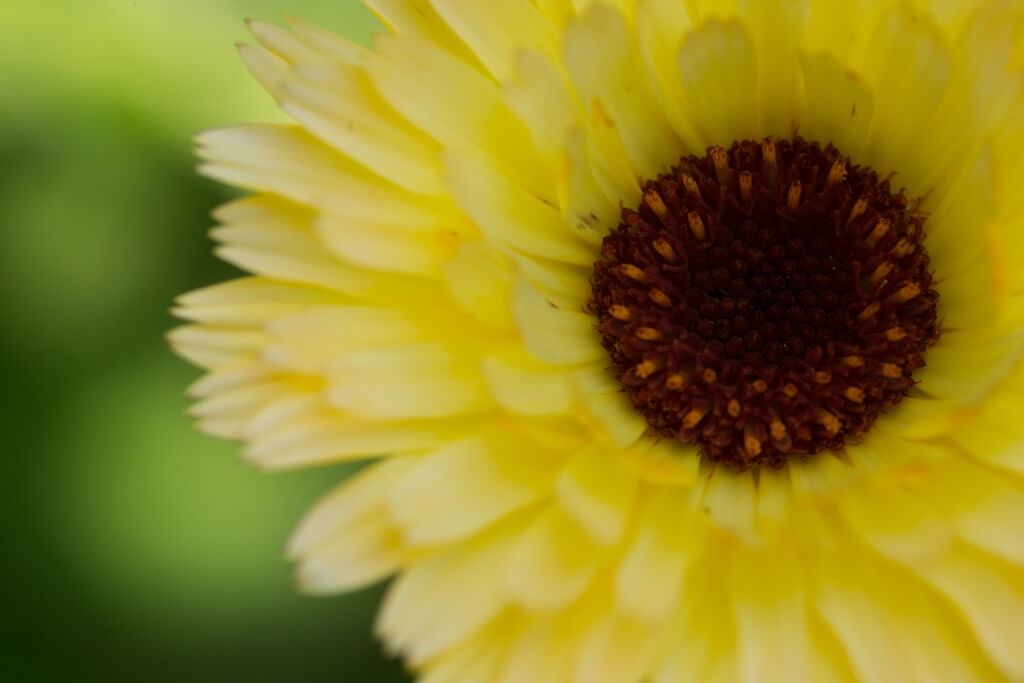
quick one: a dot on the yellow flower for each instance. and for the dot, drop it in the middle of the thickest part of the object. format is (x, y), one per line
(685, 335)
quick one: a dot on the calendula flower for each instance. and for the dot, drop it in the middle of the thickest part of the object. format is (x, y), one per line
(684, 336)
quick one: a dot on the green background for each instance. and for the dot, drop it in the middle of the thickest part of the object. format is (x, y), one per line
(135, 548)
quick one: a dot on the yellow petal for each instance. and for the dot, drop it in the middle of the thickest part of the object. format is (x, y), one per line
(480, 280)
(895, 522)
(274, 238)
(702, 634)
(965, 248)
(992, 432)
(416, 380)
(328, 45)
(326, 437)
(730, 500)
(385, 249)
(282, 159)
(776, 27)
(266, 67)
(967, 364)
(463, 488)
(651, 575)
(991, 598)
(497, 31)
(208, 346)
(720, 111)
(281, 42)
(339, 105)
(908, 65)
(508, 214)
(539, 94)
(840, 105)
(346, 542)
(660, 27)
(248, 301)
(601, 54)
(447, 598)
(481, 122)
(587, 206)
(553, 563)
(419, 18)
(891, 628)
(617, 415)
(521, 384)
(310, 339)
(541, 654)
(614, 650)
(598, 493)
(553, 334)
(769, 603)
(822, 475)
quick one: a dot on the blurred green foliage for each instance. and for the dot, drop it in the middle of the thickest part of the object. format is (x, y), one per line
(137, 549)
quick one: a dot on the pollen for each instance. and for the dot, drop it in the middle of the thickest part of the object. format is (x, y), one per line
(766, 301)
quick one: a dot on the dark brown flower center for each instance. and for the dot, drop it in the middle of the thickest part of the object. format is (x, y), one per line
(768, 301)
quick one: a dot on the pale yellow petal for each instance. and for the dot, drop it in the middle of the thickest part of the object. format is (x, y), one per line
(309, 339)
(967, 364)
(553, 562)
(282, 159)
(993, 432)
(481, 281)
(991, 597)
(524, 386)
(463, 488)
(616, 413)
(208, 346)
(722, 109)
(274, 238)
(730, 500)
(567, 285)
(965, 247)
(447, 598)
(840, 105)
(598, 492)
(346, 541)
(419, 18)
(822, 475)
(386, 249)
(614, 650)
(601, 54)
(664, 462)
(415, 380)
(481, 121)
(281, 42)
(651, 575)
(540, 95)
(497, 31)
(541, 654)
(553, 334)
(587, 207)
(509, 214)
(701, 638)
(325, 437)
(908, 66)
(891, 628)
(769, 603)
(898, 524)
(776, 27)
(660, 27)
(340, 106)
(248, 301)
(266, 67)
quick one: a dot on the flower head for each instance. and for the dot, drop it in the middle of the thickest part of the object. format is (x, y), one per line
(684, 337)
